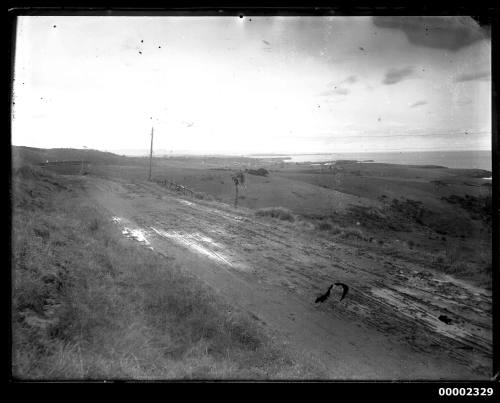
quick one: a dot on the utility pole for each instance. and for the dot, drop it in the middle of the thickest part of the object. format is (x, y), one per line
(82, 170)
(151, 155)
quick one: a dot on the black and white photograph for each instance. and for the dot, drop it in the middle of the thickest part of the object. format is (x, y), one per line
(251, 197)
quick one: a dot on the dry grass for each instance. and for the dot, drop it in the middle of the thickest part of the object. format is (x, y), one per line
(203, 196)
(456, 260)
(280, 213)
(344, 232)
(88, 304)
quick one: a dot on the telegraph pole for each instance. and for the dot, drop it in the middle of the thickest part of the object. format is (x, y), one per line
(151, 155)
(82, 171)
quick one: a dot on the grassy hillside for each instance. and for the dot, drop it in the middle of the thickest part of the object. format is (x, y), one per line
(89, 304)
(30, 155)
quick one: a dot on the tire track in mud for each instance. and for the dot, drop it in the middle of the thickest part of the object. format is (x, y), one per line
(385, 301)
(387, 296)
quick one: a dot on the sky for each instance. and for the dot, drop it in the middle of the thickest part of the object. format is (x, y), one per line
(235, 85)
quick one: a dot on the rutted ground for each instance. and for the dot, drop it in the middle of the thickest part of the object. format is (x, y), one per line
(386, 328)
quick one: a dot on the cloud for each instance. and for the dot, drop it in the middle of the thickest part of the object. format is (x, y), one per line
(451, 33)
(335, 91)
(350, 80)
(395, 75)
(418, 103)
(478, 75)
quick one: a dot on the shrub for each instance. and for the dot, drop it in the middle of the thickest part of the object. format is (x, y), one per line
(304, 224)
(352, 233)
(478, 207)
(258, 172)
(94, 225)
(276, 212)
(203, 196)
(324, 226)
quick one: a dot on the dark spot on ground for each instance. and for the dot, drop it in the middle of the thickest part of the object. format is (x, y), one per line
(445, 319)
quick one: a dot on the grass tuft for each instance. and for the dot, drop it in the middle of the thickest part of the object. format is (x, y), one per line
(280, 213)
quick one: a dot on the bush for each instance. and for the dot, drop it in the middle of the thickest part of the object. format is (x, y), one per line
(304, 224)
(258, 172)
(352, 233)
(324, 226)
(478, 207)
(330, 227)
(276, 212)
(94, 225)
(203, 196)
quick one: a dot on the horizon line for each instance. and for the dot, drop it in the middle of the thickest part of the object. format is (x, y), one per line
(187, 152)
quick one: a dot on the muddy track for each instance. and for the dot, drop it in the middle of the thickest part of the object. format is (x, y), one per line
(387, 327)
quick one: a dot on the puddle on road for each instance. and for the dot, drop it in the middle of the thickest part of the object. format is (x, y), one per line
(201, 244)
(137, 234)
(207, 240)
(186, 202)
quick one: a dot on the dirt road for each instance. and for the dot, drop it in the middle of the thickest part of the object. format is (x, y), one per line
(386, 328)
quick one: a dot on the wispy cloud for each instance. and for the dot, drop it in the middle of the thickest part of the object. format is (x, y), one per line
(395, 75)
(350, 80)
(338, 89)
(478, 75)
(452, 33)
(418, 103)
(335, 91)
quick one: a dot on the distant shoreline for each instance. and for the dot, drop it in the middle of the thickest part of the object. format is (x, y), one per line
(473, 159)
(359, 152)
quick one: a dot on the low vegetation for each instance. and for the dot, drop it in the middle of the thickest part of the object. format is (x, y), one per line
(478, 207)
(398, 231)
(457, 261)
(258, 172)
(203, 196)
(89, 304)
(337, 231)
(280, 213)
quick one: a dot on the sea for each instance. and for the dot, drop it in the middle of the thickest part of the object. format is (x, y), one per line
(450, 159)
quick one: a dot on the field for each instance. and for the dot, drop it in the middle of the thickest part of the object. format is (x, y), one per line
(393, 204)
(119, 277)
